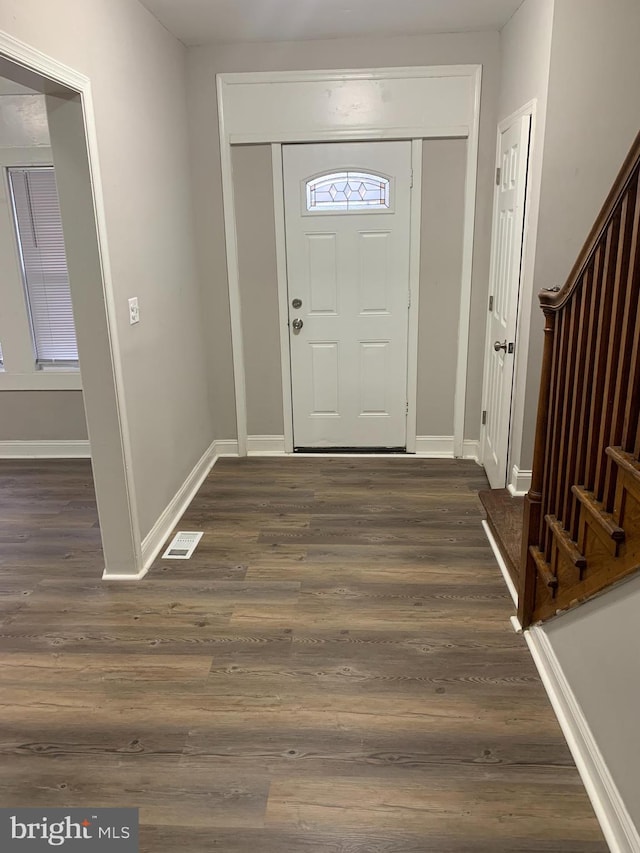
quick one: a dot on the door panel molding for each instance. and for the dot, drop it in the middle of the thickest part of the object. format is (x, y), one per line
(413, 103)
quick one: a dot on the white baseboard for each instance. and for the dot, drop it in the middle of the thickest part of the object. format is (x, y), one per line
(157, 536)
(441, 447)
(520, 482)
(45, 450)
(265, 445)
(434, 446)
(137, 577)
(618, 828)
(225, 447)
(501, 563)
(471, 449)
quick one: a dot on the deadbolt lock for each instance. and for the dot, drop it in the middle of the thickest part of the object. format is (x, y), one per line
(297, 303)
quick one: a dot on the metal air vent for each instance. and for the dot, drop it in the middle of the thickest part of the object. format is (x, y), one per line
(182, 545)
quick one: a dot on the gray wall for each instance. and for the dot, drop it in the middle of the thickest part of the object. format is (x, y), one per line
(137, 72)
(525, 44)
(597, 646)
(443, 179)
(42, 416)
(593, 116)
(253, 187)
(204, 62)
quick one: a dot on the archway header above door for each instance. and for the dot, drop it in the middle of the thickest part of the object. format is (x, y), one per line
(315, 106)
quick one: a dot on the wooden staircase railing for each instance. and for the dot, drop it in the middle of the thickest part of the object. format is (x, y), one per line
(582, 514)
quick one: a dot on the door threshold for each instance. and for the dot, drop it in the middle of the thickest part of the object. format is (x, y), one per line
(378, 451)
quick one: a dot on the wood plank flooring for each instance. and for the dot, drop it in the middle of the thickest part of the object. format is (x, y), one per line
(332, 672)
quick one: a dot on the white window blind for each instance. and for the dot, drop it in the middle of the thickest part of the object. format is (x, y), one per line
(44, 264)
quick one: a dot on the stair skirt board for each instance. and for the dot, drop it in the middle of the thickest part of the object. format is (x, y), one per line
(513, 592)
(614, 819)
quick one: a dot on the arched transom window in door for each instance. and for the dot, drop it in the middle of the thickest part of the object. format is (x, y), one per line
(346, 191)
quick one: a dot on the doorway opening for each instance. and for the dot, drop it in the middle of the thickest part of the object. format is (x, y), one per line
(59, 314)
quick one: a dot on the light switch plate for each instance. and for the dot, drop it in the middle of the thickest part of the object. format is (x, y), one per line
(134, 310)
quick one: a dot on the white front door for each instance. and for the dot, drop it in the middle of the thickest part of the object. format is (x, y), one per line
(347, 217)
(504, 287)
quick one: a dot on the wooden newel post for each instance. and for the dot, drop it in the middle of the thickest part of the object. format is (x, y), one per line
(533, 498)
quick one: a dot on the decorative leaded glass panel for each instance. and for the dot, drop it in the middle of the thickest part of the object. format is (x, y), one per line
(343, 191)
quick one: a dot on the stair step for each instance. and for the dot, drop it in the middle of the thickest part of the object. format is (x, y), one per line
(566, 544)
(544, 573)
(504, 517)
(626, 461)
(595, 509)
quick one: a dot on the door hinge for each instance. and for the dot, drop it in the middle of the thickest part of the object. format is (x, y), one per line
(409, 300)
(406, 408)
(491, 303)
(484, 417)
(411, 179)
(498, 175)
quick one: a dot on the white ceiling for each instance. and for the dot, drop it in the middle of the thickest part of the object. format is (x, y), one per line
(203, 21)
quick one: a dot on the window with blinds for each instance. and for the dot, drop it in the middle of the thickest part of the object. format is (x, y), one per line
(38, 224)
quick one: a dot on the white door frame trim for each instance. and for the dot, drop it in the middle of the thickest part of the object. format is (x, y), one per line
(414, 294)
(429, 102)
(40, 63)
(528, 109)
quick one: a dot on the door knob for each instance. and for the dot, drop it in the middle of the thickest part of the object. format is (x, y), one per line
(498, 346)
(297, 324)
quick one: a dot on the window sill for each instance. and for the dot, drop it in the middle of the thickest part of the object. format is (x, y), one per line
(41, 380)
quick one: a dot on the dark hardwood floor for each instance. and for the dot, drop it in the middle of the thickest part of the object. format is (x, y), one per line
(332, 672)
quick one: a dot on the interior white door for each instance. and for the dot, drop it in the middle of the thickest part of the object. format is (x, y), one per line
(504, 287)
(347, 218)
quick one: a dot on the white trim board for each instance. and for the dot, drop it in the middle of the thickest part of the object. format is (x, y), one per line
(513, 592)
(414, 295)
(618, 828)
(45, 450)
(428, 447)
(266, 445)
(305, 106)
(520, 482)
(443, 447)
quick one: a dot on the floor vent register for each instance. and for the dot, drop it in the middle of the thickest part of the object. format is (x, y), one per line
(182, 545)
